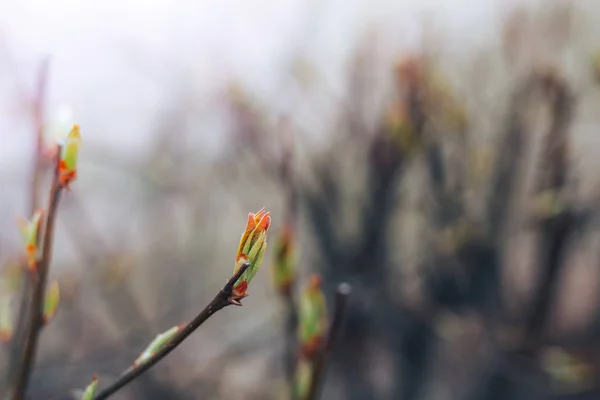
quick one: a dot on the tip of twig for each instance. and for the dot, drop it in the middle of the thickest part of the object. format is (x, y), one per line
(344, 289)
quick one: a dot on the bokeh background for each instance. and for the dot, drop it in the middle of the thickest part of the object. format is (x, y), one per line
(443, 158)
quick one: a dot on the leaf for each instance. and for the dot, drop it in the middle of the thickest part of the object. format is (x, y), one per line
(90, 390)
(71, 148)
(157, 344)
(6, 326)
(303, 378)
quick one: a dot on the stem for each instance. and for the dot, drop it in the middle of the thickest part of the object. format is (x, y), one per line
(38, 119)
(36, 306)
(37, 172)
(291, 326)
(221, 300)
(319, 363)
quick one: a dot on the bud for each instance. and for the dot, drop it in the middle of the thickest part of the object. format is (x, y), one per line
(6, 327)
(51, 302)
(30, 231)
(90, 391)
(284, 267)
(157, 344)
(303, 378)
(399, 125)
(67, 166)
(251, 249)
(312, 317)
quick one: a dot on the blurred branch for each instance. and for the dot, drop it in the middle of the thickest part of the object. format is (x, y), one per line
(556, 229)
(41, 273)
(34, 190)
(319, 366)
(220, 301)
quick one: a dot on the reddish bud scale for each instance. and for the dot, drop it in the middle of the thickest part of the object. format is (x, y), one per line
(310, 347)
(65, 176)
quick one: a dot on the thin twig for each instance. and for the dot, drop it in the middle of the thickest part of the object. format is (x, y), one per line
(291, 342)
(37, 172)
(38, 120)
(36, 307)
(319, 363)
(221, 300)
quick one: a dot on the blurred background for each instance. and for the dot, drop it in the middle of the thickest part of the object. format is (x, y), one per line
(440, 157)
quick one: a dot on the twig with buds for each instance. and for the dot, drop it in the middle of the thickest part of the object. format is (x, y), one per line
(36, 306)
(319, 363)
(225, 297)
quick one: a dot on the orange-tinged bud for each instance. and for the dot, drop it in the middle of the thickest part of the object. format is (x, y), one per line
(312, 316)
(67, 165)
(30, 231)
(251, 249)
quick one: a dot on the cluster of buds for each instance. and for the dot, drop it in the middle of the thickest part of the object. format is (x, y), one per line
(158, 343)
(422, 90)
(30, 232)
(284, 267)
(251, 250)
(67, 165)
(312, 326)
(398, 119)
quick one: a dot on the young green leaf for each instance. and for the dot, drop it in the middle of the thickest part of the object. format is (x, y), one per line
(51, 302)
(90, 390)
(67, 166)
(158, 342)
(6, 324)
(312, 316)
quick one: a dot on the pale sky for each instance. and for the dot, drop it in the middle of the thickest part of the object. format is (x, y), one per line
(114, 61)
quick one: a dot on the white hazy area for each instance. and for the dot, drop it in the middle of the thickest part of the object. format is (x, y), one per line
(118, 66)
(115, 64)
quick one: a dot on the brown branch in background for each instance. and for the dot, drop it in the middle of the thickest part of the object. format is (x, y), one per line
(221, 300)
(320, 360)
(291, 326)
(35, 322)
(38, 120)
(37, 173)
(555, 230)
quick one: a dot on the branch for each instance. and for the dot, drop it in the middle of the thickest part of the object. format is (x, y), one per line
(37, 172)
(291, 328)
(35, 322)
(318, 370)
(221, 300)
